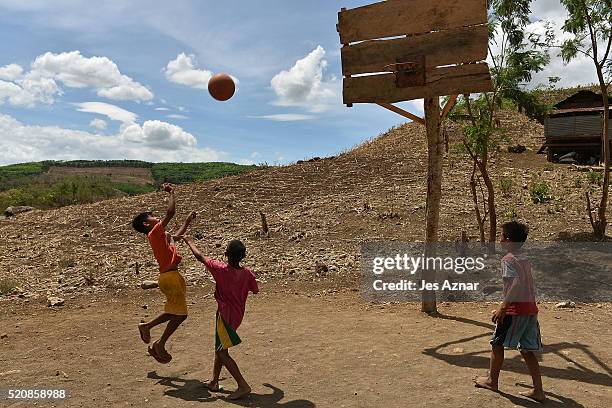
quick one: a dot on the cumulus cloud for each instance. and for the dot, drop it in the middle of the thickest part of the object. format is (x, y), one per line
(71, 69)
(98, 123)
(111, 111)
(152, 141)
(11, 72)
(303, 85)
(286, 117)
(182, 70)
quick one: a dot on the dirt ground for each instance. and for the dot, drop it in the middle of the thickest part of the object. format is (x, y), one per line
(302, 347)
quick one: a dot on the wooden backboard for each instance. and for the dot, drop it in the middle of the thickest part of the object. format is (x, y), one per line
(443, 40)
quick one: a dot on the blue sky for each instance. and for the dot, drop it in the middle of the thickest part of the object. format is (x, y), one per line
(127, 79)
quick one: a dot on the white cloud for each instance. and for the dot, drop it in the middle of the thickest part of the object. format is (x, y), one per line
(29, 90)
(182, 70)
(40, 84)
(579, 71)
(158, 134)
(98, 123)
(285, 117)
(303, 85)
(111, 111)
(152, 141)
(11, 72)
(176, 116)
(255, 155)
(162, 109)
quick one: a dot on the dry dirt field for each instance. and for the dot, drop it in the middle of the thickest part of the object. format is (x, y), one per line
(303, 346)
(309, 339)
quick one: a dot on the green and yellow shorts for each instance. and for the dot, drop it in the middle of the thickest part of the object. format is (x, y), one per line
(225, 336)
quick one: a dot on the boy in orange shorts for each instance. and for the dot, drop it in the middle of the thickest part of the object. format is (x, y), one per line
(171, 282)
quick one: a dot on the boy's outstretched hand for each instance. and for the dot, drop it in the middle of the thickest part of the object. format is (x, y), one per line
(167, 187)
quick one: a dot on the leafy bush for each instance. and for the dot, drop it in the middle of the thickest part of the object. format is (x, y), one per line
(595, 177)
(70, 190)
(7, 286)
(505, 185)
(540, 192)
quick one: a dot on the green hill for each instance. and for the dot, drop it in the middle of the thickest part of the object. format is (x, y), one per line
(49, 184)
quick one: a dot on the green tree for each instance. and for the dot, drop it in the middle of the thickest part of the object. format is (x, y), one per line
(589, 23)
(518, 56)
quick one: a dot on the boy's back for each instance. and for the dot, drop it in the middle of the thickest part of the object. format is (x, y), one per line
(519, 266)
(232, 289)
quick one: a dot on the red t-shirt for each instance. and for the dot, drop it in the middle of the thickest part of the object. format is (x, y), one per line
(519, 267)
(163, 249)
(232, 288)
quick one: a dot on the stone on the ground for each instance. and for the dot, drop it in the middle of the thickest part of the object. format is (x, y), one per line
(14, 210)
(53, 301)
(148, 284)
(3, 336)
(565, 305)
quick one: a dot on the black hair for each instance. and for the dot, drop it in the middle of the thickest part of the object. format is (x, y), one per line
(139, 220)
(515, 231)
(236, 251)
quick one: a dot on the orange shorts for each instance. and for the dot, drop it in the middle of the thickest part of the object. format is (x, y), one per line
(173, 286)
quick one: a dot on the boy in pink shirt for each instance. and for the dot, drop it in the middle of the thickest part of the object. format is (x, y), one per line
(233, 284)
(516, 320)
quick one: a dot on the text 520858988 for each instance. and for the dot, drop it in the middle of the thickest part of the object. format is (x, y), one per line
(33, 394)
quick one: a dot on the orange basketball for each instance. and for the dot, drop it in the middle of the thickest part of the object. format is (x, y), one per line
(221, 87)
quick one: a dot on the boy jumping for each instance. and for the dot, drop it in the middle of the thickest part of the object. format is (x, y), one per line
(170, 280)
(233, 284)
(516, 319)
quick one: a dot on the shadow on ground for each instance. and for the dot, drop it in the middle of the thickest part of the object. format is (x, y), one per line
(195, 390)
(480, 360)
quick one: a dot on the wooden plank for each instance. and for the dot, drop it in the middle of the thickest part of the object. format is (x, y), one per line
(403, 113)
(454, 46)
(453, 80)
(393, 18)
(449, 105)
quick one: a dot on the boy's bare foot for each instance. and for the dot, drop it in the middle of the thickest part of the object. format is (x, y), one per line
(159, 354)
(536, 396)
(486, 383)
(213, 386)
(239, 393)
(145, 333)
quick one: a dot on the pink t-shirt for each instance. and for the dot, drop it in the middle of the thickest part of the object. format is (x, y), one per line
(232, 288)
(519, 267)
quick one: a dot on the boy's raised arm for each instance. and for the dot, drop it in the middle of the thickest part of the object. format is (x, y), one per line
(196, 252)
(169, 188)
(186, 224)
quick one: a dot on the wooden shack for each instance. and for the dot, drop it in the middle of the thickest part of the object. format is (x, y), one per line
(574, 130)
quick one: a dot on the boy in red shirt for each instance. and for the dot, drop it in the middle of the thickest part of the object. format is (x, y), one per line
(233, 284)
(170, 280)
(516, 319)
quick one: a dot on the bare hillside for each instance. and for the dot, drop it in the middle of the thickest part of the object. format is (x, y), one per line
(319, 211)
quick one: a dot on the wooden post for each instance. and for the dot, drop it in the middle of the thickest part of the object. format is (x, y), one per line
(434, 192)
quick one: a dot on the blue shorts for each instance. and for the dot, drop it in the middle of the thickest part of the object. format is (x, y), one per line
(518, 332)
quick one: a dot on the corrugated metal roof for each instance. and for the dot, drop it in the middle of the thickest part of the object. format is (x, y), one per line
(577, 110)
